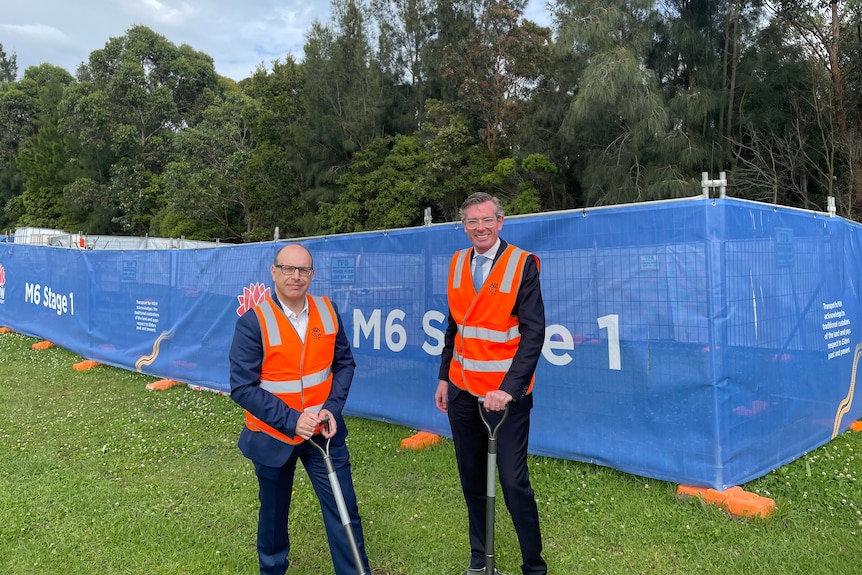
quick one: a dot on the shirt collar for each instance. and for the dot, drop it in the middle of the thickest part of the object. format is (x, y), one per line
(491, 252)
(289, 312)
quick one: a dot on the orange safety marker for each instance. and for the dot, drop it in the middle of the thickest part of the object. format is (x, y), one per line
(734, 499)
(162, 384)
(5, 330)
(85, 365)
(42, 345)
(420, 440)
(856, 426)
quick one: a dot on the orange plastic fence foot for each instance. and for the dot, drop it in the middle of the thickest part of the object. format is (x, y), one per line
(856, 426)
(5, 330)
(162, 384)
(42, 345)
(734, 499)
(85, 365)
(420, 440)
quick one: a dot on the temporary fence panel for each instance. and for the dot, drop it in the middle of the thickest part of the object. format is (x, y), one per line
(699, 341)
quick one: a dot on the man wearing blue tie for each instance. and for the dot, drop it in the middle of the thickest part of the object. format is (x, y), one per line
(493, 341)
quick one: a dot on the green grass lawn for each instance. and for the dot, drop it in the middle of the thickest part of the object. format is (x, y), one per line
(100, 476)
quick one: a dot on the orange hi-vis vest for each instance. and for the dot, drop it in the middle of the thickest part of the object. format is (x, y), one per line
(486, 340)
(298, 374)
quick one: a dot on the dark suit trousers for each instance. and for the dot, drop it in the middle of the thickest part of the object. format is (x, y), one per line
(276, 486)
(470, 438)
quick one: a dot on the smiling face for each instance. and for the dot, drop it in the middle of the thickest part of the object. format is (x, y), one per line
(291, 288)
(482, 225)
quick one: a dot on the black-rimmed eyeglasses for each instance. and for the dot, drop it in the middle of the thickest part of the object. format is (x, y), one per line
(290, 270)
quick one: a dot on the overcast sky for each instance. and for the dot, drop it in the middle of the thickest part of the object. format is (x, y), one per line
(237, 34)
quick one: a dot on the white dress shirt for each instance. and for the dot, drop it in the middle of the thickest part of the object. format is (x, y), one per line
(298, 321)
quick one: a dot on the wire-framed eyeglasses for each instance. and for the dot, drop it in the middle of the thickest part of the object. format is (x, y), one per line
(472, 223)
(290, 270)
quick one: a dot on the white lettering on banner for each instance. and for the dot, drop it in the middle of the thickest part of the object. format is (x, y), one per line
(557, 337)
(835, 332)
(32, 293)
(565, 342)
(612, 324)
(146, 315)
(438, 335)
(395, 330)
(366, 327)
(44, 295)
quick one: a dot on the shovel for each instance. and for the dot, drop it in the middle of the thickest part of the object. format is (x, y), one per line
(339, 502)
(490, 498)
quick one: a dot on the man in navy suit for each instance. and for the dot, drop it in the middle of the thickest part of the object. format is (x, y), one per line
(493, 342)
(290, 369)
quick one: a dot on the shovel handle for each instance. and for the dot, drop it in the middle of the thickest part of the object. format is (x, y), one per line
(492, 431)
(323, 449)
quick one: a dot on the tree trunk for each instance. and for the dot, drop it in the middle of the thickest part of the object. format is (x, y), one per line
(734, 9)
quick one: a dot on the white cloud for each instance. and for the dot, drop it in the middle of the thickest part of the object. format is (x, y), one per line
(165, 14)
(35, 32)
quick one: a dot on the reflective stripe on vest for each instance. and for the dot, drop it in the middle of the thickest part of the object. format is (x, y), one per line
(284, 346)
(297, 385)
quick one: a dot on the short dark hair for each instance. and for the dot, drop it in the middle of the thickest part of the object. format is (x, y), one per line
(481, 198)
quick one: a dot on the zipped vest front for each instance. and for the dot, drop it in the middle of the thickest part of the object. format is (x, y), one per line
(299, 374)
(486, 339)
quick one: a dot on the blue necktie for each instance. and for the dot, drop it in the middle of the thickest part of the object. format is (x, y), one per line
(478, 272)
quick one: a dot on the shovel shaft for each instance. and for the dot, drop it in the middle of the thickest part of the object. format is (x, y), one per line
(491, 486)
(343, 514)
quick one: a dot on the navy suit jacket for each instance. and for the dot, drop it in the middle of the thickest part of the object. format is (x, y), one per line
(246, 359)
(530, 309)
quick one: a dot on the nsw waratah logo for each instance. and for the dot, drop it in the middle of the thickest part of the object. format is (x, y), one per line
(251, 296)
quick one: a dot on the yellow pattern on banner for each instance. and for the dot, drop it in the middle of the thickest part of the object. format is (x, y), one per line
(149, 359)
(844, 406)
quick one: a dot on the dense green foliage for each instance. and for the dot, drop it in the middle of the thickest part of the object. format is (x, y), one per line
(402, 105)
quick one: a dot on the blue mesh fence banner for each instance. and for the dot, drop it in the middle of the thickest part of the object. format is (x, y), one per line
(699, 341)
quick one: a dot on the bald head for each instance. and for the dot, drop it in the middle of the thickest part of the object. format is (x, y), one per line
(292, 272)
(292, 251)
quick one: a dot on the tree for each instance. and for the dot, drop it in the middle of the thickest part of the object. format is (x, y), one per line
(217, 187)
(830, 31)
(516, 184)
(43, 159)
(43, 162)
(407, 28)
(786, 143)
(133, 96)
(8, 66)
(279, 114)
(457, 161)
(384, 188)
(342, 98)
(18, 109)
(619, 116)
(84, 208)
(494, 67)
